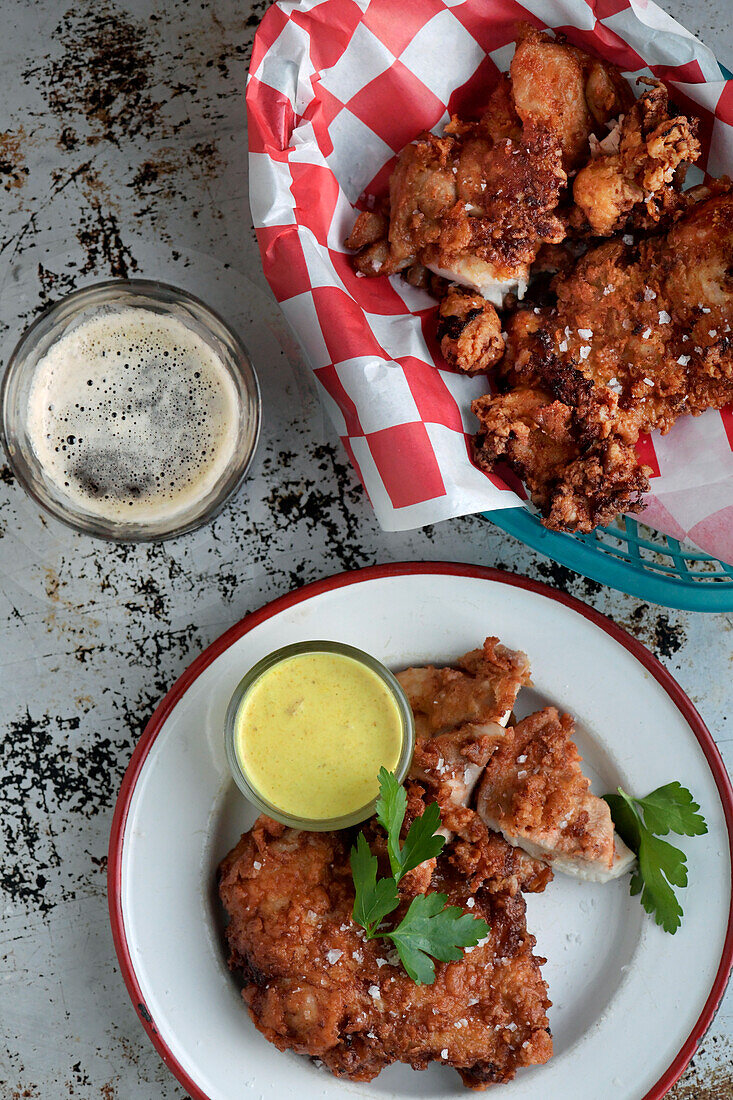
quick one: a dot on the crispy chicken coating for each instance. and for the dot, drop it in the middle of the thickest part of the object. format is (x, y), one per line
(534, 793)
(469, 207)
(460, 718)
(640, 335)
(469, 331)
(640, 164)
(570, 93)
(460, 713)
(570, 453)
(476, 205)
(482, 686)
(500, 120)
(481, 855)
(314, 985)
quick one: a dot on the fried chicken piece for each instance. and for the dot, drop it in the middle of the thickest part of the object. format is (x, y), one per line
(564, 89)
(507, 194)
(578, 469)
(500, 120)
(640, 335)
(651, 321)
(370, 227)
(483, 858)
(314, 985)
(460, 713)
(481, 686)
(469, 331)
(476, 204)
(641, 163)
(451, 763)
(534, 793)
(423, 189)
(369, 238)
(471, 209)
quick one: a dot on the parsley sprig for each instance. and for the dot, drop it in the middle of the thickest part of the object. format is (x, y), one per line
(429, 929)
(661, 866)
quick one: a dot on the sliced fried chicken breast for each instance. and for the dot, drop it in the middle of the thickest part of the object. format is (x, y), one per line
(481, 686)
(534, 793)
(460, 713)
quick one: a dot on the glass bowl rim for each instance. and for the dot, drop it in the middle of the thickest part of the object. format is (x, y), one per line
(95, 526)
(294, 649)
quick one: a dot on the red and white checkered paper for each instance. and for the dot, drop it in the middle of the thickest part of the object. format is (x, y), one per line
(336, 88)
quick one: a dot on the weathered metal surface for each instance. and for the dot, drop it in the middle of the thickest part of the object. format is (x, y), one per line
(123, 151)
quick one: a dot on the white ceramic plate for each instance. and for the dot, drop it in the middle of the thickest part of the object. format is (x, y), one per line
(629, 1001)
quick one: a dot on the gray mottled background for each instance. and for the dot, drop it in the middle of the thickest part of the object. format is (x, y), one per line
(123, 151)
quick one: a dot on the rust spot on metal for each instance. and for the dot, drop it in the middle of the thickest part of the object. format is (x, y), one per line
(102, 80)
(710, 1073)
(52, 583)
(64, 616)
(13, 169)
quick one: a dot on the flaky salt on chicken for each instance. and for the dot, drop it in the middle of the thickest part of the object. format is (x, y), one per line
(315, 986)
(472, 213)
(641, 335)
(570, 443)
(534, 793)
(475, 205)
(469, 207)
(312, 981)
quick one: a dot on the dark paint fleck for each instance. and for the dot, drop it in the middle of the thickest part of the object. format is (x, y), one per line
(566, 579)
(41, 774)
(669, 638)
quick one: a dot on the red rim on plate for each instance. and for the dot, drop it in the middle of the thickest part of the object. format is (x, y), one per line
(342, 580)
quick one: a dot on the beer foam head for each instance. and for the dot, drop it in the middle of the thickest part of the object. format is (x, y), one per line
(133, 416)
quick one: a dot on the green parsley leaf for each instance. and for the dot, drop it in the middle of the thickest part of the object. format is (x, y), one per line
(428, 928)
(672, 808)
(420, 842)
(657, 859)
(391, 806)
(373, 899)
(625, 818)
(661, 866)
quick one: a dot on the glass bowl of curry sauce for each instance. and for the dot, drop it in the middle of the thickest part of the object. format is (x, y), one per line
(308, 729)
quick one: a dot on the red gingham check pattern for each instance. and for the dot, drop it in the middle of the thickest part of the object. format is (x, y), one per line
(336, 88)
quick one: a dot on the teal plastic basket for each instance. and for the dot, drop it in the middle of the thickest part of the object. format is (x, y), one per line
(631, 558)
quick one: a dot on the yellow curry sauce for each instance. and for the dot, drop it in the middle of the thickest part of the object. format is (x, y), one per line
(313, 731)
